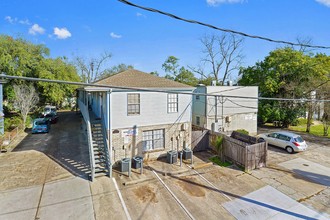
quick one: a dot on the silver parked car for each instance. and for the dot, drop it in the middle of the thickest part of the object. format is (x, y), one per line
(291, 142)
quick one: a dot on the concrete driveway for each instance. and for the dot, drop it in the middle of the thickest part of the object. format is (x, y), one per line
(302, 176)
(46, 177)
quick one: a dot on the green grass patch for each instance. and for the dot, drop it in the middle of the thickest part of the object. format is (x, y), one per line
(315, 129)
(216, 160)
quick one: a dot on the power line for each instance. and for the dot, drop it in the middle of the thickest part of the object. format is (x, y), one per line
(222, 29)
(154, 90)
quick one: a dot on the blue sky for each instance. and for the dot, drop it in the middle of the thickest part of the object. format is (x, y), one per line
(144, 39)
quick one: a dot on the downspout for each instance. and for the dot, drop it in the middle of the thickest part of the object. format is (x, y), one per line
(109, 126)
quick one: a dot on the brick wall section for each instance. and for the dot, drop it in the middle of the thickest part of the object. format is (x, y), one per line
(175, 138)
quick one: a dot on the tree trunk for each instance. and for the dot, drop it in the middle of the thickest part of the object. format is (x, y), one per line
(325, 130)
(309, 118)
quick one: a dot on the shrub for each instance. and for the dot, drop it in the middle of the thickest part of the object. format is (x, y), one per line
(242, 131)
(12, 122)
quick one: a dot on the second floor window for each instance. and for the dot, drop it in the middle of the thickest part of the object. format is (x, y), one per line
(172, 103)
(133, 104)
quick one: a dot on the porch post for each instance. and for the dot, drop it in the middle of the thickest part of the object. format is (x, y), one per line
(2, 115)
(109, 126)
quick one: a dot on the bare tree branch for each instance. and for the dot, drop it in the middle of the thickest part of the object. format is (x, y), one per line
(222, 54)
(26, 98)
(88, 72)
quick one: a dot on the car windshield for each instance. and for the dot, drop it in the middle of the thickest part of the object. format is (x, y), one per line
(40, 123)
(298, 139)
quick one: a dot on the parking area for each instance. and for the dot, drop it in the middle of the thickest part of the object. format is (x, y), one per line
(45, 177)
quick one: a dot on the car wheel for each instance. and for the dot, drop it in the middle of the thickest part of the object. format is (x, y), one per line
(289, 149)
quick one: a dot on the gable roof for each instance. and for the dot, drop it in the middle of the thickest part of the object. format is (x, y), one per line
(136, 79)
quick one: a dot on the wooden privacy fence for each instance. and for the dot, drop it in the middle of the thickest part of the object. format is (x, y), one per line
(249, 156)
(244, 152)
(199, 140)
(8, 137)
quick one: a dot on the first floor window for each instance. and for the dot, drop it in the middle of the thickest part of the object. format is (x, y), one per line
(153, 139)
(198, 120)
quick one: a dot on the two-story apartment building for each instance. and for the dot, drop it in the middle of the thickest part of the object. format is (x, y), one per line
(224, 108)
(144, 115)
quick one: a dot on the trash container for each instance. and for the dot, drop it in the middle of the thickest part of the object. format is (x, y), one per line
(187, 154)
(172, 156)
(124, 164)
(137, 162)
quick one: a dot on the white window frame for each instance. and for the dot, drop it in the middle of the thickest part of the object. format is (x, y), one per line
(172, 103)
(133, 104)
(153, 139)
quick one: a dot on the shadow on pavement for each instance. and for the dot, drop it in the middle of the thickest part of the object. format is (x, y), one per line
(314, 177)
(265, 205)
(65, 144)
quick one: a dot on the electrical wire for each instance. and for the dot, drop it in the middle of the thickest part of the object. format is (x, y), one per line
(222, 29)
(4, 76)
(243, 106)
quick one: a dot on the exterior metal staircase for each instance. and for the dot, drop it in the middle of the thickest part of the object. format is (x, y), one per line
(100, 163)
(100, 149)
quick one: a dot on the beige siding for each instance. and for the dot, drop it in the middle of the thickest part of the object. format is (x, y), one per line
(175, 138)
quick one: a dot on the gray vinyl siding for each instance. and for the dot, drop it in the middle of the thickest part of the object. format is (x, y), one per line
(153, 110)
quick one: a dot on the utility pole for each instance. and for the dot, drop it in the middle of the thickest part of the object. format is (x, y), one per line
(223, 127)
(216, 108)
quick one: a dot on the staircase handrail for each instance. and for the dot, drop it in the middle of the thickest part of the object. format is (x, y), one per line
(105, 140)
(85, 113)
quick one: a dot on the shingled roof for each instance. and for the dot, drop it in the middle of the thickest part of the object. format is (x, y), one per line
(136, 79)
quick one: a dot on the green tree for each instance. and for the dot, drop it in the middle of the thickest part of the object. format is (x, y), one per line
(19, 57)
(177, 73)
(171, 66)
(155, 73)
(285, 73)
(114, 70)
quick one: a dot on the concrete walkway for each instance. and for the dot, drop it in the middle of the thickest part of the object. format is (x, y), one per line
(63, 199)
(269, 203)
(71, 198)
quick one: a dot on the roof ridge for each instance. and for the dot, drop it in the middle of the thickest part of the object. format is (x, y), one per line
(136, 78)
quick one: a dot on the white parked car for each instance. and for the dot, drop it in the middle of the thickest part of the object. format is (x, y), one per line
(49, 109)
(291, 142)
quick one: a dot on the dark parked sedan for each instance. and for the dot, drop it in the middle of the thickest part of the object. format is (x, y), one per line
(51, 117)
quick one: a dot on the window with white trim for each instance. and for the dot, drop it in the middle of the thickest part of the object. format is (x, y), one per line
(198, 120)
(133, 104)
(153, 139)
(172, 103)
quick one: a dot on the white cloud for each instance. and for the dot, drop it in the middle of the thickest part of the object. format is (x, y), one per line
(324, 2)
(218, 2)
(61, 33)
(113, 35)
(10, 19)
(140, 15)
(36, 29)
(26, 21)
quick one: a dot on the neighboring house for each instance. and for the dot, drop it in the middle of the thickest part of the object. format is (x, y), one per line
(140, 123)
(220, 111)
